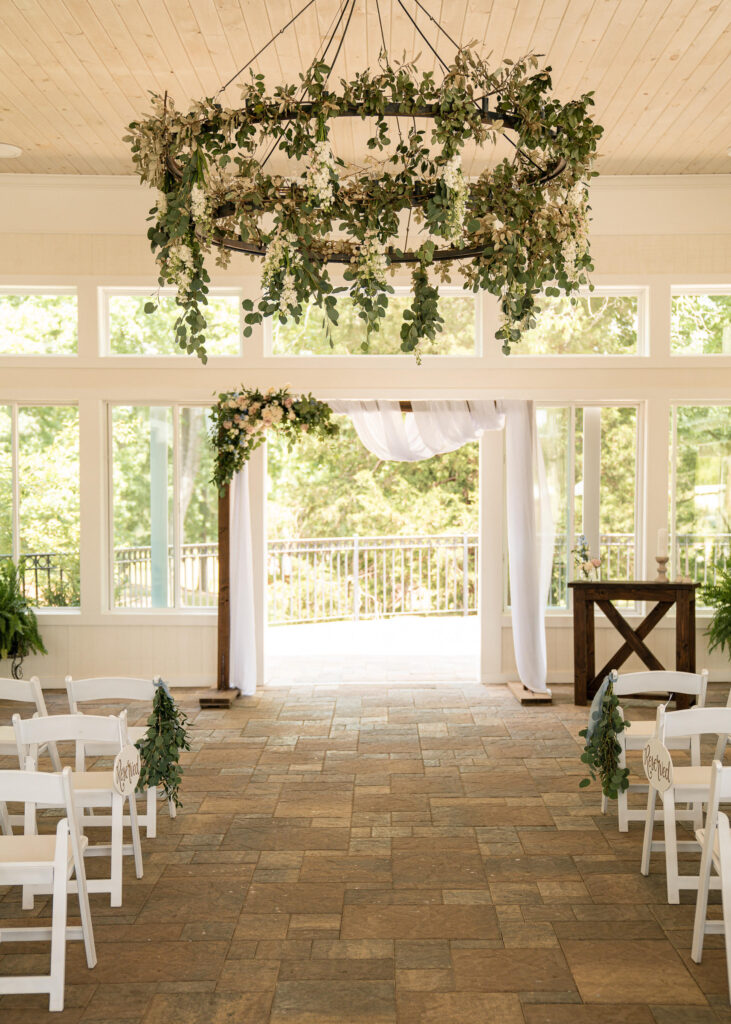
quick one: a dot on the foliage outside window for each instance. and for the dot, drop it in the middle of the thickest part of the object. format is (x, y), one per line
(136, 333)
(38, 323)
(700, 324)
(598, 324)
(313, 336)
(45, 501)
(165, 509)
(700, 474)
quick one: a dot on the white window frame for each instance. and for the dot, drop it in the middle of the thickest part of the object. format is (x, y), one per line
(673, 465)
(572, 406)
(70, 291)
(15, 553)
(176, 606)
(105, 292)
(697, 289)
(447, 291)
(639, 292)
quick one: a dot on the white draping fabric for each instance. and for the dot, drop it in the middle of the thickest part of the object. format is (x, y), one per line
(433, 428)
(438, 427)
(242, 667)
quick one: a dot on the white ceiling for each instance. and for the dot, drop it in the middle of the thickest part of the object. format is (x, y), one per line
(74, 73)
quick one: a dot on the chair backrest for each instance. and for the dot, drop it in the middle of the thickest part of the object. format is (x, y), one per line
(31, 733)
(50, 789)
(107, 688)
(26, 691)
(694, 722)
(720, 793)
(689, 683)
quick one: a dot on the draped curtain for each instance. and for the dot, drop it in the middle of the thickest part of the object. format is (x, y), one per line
(433, 428)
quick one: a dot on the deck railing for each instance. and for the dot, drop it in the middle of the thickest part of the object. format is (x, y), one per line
(327, 578)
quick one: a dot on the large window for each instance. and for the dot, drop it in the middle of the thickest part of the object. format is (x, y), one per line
(165, 521)
(591, 462)
(39, 499)
(38, 322)
(700, 322)
(133, 332)
(700, 475)
(604, 322)
(314, 337)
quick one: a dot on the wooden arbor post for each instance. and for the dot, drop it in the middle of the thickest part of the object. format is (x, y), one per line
(223, 695)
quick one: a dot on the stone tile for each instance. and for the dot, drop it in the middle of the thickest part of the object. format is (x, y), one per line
(427, 863)
(652, 971)
(459, 1008)
(511, 970)
(334, 1002)
(425, 922)
(209, 1008)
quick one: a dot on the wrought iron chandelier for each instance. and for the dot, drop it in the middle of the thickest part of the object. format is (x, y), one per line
(516, 229)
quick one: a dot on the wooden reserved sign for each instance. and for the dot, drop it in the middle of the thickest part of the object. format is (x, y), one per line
(658, 765)
(126, 771)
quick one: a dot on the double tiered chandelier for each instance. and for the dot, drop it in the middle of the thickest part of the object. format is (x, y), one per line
(516, 229)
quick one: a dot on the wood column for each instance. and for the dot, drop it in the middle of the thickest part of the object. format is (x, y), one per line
(224, 606)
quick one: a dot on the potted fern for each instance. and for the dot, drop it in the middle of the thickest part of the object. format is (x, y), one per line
(19, 634)
(718, 596)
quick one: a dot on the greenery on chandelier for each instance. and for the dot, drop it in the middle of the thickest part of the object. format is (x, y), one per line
(516, 230)
(240, 420)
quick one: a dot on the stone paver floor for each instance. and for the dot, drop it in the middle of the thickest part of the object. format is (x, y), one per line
(383, 854)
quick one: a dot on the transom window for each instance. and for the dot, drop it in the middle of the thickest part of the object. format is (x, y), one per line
(700, 322)
(130, 331)
(604, 322)
(38, 322)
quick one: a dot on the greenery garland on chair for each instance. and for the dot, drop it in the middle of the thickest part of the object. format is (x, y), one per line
(161, 746)
(240, 420)
(517, 229)
(602, 749)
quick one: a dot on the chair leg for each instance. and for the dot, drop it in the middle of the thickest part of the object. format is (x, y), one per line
(605, 804)
(151, 827)
(135, 829)
(649, 825)
(116, 850)
(622, 808)
(701, 904)
(726, 901)
(5, 827)
(58, 940)
(87, 929)
(671, 848)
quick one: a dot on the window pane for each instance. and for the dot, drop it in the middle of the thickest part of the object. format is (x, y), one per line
(198, 512)
(38, 325)
(310, 338)
(595, 325)
(617, 493)
(134, 332)
(48, 473)
(702, 491)
(6, 482)
(553, 430)
(142, 475)
(701, 325)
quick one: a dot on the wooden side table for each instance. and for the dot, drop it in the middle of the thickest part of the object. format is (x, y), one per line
(588, 593)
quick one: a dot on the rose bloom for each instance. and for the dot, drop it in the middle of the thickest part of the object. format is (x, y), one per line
(227, 424)
(288, 403)
(596, 562)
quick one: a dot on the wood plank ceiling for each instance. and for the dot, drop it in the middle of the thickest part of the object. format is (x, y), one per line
(73, 73)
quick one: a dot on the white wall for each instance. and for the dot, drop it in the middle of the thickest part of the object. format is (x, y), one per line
(651, 232)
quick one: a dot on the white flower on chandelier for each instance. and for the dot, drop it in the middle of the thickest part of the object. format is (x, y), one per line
(454, 181)
(198, 203)
(371, 260)
(162, 203)
(277, 276)
(321, 174)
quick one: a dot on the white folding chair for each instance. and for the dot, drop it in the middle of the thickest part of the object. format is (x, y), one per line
(23, 691)
(81, 691)
(691, 784)
(47, 861)
(715, 840)
(637, 734)
(92, 789)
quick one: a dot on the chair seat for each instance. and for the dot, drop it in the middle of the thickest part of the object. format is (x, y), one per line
(639, 732)
(32, 851)
(692, 777)
(84, 782)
